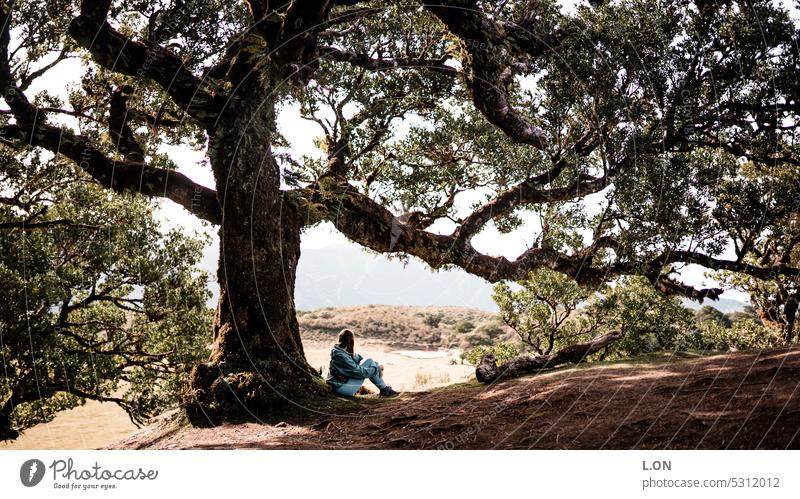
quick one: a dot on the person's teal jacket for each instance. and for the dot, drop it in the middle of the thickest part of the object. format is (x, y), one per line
(344, 366)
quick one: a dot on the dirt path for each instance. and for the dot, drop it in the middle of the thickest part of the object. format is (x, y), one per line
(741, 400)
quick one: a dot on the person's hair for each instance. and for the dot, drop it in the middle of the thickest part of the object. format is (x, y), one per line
(346, 340)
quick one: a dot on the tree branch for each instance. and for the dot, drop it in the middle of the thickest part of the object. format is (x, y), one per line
(370, 224)
(121, 133)
(118, 175)
(482, 38)
(488, 371)
(48, 224)
(118, 53)
(529, 192)
(379, 64)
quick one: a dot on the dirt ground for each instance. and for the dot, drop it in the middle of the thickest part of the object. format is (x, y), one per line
(95, 425)
(745, 400)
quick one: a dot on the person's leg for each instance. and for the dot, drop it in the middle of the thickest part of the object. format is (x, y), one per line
(377, 380)
(350, 388)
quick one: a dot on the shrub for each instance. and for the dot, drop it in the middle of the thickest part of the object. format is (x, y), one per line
(742, 335)
(465, 326)
(503, 352)
(433, 320)
(708, 313)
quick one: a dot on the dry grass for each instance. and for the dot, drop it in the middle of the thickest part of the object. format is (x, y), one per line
(409, 327)
(88, 426)
(422, 379)
(427, 379)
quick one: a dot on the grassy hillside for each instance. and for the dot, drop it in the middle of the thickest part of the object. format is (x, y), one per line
(410, 327)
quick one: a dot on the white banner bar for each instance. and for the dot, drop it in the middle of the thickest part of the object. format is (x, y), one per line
(400, 474)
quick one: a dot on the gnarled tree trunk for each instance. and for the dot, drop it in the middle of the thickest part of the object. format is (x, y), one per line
(257, 363)
(778, 312)
(488, 370)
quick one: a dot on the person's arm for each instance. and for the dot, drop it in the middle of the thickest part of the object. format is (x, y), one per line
(358, 358)
(347, 366)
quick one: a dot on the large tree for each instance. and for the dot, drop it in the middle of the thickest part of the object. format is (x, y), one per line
(435, 120)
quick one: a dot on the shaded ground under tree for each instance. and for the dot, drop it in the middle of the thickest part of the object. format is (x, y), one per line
(740, 400)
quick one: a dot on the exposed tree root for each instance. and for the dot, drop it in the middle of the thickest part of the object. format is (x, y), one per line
(488, 370)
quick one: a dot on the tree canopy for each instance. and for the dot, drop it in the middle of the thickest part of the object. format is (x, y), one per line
(644, 136)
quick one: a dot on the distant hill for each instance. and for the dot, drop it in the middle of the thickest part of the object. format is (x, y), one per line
(341, 277)
(406, 326)
(724, 305)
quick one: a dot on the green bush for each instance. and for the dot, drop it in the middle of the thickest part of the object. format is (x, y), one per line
(503, 352)
(742, 335)
(433, 320)
(708, 313)
(465, 326)
(651, 321)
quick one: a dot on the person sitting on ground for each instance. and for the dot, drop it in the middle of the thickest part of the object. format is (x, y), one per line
(347, 372)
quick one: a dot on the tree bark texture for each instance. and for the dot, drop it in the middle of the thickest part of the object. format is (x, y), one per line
(488, 370)
(257, 364)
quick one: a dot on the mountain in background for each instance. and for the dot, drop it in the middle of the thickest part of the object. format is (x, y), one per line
(724, 305)
(341, 277)
(346, 277)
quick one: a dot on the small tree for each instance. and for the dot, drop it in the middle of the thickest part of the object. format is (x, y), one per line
(539, 309)
(542, 310)
(98, 302)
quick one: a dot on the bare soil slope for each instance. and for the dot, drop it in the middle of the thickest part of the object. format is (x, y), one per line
(743, 400)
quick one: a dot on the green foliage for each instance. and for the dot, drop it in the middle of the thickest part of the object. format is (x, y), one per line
(743, 315)
(545, 313)
(503, 352)
(485, 334)
(107, 306)
(649, 320)
(464, 326)
(742, 335)
(542, 310)
(433, 320)
(707, 313)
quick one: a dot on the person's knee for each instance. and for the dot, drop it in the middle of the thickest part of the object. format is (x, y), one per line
(369, 362)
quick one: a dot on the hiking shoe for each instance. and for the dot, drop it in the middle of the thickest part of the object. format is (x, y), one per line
(387, 391)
